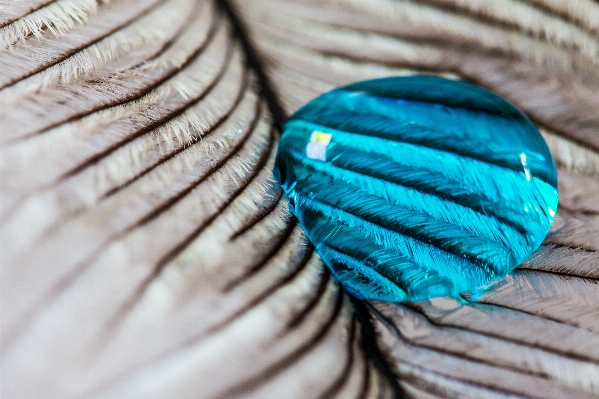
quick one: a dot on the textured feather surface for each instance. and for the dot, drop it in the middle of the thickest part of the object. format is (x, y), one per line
(146, 251)
(55, 17)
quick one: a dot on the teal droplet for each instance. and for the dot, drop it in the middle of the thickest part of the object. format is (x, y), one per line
(417, 187)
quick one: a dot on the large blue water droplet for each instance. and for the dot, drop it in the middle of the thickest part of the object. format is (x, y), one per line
(417, 187)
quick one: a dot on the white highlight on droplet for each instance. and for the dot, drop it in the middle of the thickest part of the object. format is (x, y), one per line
(526, 170)
(317, 147)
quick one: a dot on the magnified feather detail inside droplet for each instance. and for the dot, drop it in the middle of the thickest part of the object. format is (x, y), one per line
(417, 187)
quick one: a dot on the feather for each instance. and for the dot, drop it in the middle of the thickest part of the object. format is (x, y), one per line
(147, 251)
(57, 17)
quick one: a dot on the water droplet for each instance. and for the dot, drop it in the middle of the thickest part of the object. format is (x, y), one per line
(417, 187)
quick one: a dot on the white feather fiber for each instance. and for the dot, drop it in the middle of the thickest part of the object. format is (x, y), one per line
(105, 87)
(151, 30)
(82, 138)
(58, 17)
(134, 157)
